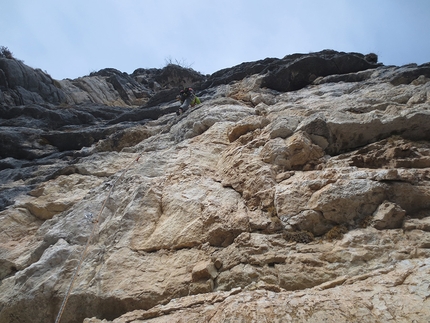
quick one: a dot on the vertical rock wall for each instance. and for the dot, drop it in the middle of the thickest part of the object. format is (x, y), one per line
(257, 205)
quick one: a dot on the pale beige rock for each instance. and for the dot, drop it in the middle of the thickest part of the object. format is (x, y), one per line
(247, 125)
(420, 224)
(310, 220)
(19, 227)
(388, 216)
(296, 151)
(283, 127)
(369, 298)
(344, 201)
(93, 89)
(204, 270)
(58, 195)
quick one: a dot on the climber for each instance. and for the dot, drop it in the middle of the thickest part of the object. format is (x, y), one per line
(187, 98)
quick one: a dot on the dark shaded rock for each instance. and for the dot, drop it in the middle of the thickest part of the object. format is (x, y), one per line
(409, 75)
(23, 143)
(54, 117)
(43, 116)
(171, 79)
(9, 162)
(35, 131)
(238, 72)
(99, 111)
(349, 77)
(295, 71)
(138, 114)
(75, 139)
(7, 196)
(23, 96)
(27, 85)
(170, 76)
(175, 76)
(163, 96)
(107, 72)
(291, 75)
(371, 58)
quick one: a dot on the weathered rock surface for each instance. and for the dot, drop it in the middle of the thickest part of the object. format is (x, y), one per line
(21, 85)
(263, 204)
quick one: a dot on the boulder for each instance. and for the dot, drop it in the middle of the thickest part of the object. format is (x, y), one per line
(292, 153)
(293, 73)
(388, 216)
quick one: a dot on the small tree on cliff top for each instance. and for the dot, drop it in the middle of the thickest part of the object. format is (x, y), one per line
(5, 52)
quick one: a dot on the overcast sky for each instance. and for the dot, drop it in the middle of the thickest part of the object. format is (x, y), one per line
(73, 38)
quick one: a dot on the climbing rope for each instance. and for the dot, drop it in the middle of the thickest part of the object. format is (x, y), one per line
(84, 252)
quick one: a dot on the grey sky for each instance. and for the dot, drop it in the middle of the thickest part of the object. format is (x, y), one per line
(72, 38)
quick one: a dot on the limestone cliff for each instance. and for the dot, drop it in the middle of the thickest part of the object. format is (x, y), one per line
(298, 191)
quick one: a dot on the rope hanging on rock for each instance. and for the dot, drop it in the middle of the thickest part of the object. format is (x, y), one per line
(84, 252)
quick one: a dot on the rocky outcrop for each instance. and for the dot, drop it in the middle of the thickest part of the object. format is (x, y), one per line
(22, 85)
(258, 205)
(295, 71)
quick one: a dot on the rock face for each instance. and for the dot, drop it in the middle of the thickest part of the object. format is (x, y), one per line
(22, 85)
(298, 191)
